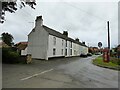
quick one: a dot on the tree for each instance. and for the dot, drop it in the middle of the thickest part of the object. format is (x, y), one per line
(11, 6)
(7, 38)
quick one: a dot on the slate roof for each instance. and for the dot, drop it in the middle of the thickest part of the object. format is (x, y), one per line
(60, 35)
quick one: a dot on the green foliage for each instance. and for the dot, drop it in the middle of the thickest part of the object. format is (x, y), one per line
(11, 6)
(7, 38)
(9, 56)
(113, 65)
(113, 54)
(115, 60)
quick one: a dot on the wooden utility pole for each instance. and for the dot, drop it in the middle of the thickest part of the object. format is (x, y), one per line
(108, 39)
(108, 36)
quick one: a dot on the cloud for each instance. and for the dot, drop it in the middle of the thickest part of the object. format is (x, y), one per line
(86, 21)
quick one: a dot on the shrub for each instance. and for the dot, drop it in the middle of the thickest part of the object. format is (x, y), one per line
(13, 56)
(9, 56)
(115, 60)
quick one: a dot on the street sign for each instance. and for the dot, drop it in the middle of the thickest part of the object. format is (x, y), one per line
(99, 44)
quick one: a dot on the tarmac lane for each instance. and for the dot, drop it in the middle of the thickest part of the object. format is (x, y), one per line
(90, 75)
(72, 72)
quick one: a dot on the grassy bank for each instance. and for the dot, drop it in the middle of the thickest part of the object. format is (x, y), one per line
(99, 62)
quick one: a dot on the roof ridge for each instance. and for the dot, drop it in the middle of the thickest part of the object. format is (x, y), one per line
(55, 33)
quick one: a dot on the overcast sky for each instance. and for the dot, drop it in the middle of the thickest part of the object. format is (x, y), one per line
(84, 20)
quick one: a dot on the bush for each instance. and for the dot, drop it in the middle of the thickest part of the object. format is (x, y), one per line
(113, 54)
(115, 60)
(9, 55)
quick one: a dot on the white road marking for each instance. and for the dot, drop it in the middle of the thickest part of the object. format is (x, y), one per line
(36, 74)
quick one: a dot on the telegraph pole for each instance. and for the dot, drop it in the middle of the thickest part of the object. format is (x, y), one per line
(108, 36)
(108, 39)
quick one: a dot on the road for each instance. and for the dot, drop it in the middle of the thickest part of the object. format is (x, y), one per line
(72, 72)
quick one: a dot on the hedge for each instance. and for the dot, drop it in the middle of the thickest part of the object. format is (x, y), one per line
(9, 56)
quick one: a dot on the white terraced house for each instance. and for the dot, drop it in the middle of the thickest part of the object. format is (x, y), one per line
(45, 43)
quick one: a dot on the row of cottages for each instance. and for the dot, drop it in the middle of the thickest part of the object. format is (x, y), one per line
(44, 43)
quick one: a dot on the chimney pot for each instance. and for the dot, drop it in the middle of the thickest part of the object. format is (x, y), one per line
(65, 33)
(77, 39)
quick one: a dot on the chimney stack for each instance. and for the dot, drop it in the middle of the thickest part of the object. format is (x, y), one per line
(39, 20)
(65, 33)
(83, 43)
(77, 39)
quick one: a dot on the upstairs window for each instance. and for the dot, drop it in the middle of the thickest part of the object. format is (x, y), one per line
(71, 44)
(54, 40)
(62, 42)
(66, 43)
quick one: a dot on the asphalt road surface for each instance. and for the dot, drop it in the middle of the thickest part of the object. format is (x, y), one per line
(72, 72)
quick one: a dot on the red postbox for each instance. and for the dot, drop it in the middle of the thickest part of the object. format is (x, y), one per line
(106, 55)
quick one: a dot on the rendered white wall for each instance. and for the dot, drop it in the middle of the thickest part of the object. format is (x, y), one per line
(24, 52)
(58, 46)
(38, 43)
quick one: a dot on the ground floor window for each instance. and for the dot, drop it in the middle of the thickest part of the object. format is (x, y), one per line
(70, 51)
(74, 52)
(66, 52)
(54, 51)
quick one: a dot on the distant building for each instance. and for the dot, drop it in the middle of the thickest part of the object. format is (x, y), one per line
(94, 50)
(44, 43)
(22, 48)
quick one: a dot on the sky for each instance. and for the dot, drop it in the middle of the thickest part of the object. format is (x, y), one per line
(86, 20)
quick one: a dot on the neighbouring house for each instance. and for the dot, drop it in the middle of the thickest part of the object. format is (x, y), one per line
(22, 48)
(44, 43)
(94, 50)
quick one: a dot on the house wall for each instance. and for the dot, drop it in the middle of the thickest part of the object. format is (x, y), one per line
(68, 48)
(86, 50)
(58, 46)
(38, 43)
(24, 52)
(75, 47)
(83, 50)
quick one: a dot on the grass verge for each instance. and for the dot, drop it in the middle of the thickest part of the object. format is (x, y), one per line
(99, 62)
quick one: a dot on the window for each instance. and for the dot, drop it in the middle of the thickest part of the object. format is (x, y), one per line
(54, 40)
(65, 51)
(74, 52)
(70, 51)
(62, 42)
(71, 45)
(66, 43)
(54, 51)
(62, 51)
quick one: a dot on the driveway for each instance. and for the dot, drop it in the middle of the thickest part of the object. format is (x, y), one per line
(72, 72)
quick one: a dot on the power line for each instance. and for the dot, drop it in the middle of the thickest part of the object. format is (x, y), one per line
(85, 11)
